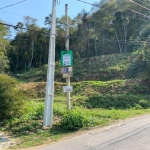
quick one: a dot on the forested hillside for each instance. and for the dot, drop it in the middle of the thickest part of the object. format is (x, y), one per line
(111, 71)
(111, 27)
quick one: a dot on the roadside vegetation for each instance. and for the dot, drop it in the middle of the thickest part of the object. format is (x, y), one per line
(111, 73)
(94, 104)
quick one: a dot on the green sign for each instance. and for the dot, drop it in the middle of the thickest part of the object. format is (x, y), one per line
(66, 58)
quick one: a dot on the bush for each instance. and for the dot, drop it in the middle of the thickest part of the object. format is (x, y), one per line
(145, 104)
(11, 98)
(113, 101)
(74, 120)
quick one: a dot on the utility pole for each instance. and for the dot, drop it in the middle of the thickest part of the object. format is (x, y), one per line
(67, 49)
(49, 96)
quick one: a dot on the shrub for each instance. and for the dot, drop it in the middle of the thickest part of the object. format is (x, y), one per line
(145, 104)
(112, 101)
(74, 120)
(39, 112)
(11, 98)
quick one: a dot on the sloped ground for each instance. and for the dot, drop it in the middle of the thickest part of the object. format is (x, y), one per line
(99, 68)
(90, 88)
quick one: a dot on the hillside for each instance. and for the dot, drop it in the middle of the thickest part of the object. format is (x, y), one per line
(105, 89)
(100, 68)
(102, 75)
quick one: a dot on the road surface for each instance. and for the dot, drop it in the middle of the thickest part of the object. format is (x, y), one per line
(132, 134)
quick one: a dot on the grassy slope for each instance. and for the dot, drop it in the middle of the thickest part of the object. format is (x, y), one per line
(103, 68)
(101, 102)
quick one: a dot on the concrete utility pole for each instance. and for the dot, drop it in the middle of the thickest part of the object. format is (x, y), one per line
(49, 96)
(67, 48)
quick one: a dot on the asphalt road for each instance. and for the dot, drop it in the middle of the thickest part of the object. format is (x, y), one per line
(132, 134)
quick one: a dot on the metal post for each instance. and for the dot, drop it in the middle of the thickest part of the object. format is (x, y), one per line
(49, 96)
(67, 48)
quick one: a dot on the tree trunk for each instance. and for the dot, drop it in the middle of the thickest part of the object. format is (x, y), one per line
(32, 49)
(125, 35)
(118, 40)
(95, 47)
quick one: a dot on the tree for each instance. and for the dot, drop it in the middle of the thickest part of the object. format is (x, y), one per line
(11, 98)
(4, 63)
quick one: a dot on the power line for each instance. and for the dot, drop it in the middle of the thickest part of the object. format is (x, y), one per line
(96, 6)
(93, 4)
(13, 4)
(88, 3)
(141, 1)
(139, 5)
(139, 13)
(15, 27)
(12, 13)
(18, 15)
(74, 37)
(111, 40)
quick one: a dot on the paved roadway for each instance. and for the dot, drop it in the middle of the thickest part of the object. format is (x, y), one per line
(132, 134)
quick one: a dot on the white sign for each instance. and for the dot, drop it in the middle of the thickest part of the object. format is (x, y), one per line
(67, 88)
(66, 60)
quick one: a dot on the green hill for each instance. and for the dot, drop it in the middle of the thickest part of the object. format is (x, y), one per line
(100, 68)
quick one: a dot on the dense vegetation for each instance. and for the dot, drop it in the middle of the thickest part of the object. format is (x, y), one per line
(11, 98)
(114, 27)
(111, 72)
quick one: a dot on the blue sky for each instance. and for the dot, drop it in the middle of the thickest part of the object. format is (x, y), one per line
(39, 9)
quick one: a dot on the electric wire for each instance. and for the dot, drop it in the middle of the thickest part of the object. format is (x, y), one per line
(96, 6)
(12, 13)
(139, 13)
(17, 15)
(88, 3)
(15, 27)
(13, 4)
(75, 37)
(139, 5)
(114, 2)
(141, 1)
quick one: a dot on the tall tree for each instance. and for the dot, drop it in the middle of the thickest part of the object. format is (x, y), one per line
(3, 48)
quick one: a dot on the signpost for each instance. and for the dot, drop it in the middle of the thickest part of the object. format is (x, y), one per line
(66, 58)
(67, 72)
(66, 61)
(67, 88)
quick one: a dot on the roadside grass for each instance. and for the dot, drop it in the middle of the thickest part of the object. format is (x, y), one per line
(36, 90)
(29, 132)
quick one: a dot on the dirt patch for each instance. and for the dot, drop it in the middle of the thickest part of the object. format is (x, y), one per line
(6, 141)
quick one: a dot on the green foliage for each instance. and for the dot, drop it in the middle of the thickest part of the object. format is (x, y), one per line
(115, 101)
(29, 121)
(144, 103)
(11, 98)
(29, 126)
(4, 63)
(138, 89)
(73, 120)
(39, 113)
(29, 48)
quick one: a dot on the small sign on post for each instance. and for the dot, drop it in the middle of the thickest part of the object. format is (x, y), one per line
(66, 58)
(67, 72)
(67, 88)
